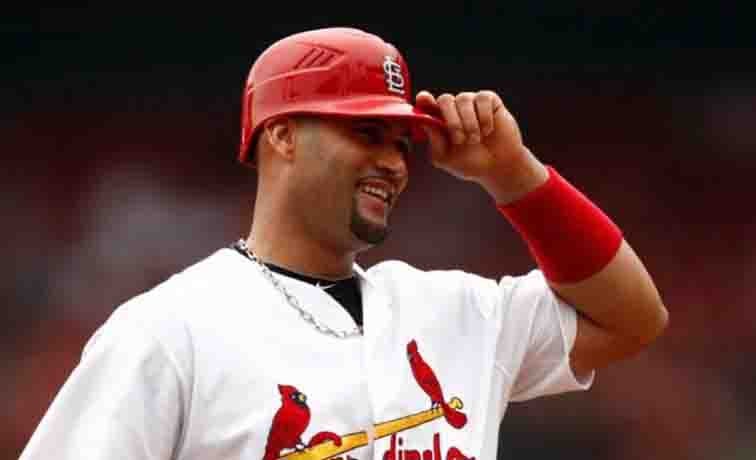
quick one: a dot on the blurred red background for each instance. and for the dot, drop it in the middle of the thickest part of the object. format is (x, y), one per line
(119, 138)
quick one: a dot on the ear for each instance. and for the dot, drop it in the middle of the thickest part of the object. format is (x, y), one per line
(280, 135)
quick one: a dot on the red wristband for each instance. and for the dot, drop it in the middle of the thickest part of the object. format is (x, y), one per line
(567, 234)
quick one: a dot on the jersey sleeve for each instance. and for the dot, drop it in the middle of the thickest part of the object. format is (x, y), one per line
(123, 400)
(537, 333)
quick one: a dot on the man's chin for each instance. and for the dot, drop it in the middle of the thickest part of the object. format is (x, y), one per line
(367, 231)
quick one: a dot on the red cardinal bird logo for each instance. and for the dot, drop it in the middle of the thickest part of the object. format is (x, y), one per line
(289, 423)
(427, 380)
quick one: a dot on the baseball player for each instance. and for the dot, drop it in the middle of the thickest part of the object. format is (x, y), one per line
(280, 346)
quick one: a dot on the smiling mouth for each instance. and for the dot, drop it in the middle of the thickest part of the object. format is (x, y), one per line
(378, 189)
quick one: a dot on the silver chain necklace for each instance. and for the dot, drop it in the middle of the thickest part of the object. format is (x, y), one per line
(291, 300)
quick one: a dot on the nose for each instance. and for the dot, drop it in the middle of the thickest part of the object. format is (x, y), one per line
(392, 160)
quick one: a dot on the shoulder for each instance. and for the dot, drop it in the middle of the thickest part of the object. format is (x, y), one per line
(400, 271)
(165, 312)
(395, 267)
(511, 291)
(439, 286)
(530, 283)
(526, 289)
(207, 276)
(190, 283)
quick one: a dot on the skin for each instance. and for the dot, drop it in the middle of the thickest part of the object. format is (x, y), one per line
(310, 214)
(312, 217)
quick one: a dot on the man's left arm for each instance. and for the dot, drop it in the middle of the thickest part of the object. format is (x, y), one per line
(620, 312)
(584, 256)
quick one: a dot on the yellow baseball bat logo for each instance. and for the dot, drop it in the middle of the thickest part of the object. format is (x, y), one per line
(352, 441)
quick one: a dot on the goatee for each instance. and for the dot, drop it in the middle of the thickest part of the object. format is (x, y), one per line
(367, 231)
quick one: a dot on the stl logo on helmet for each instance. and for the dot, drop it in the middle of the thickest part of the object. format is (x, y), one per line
(394, 78)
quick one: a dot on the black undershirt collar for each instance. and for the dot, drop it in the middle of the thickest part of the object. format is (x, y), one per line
(346, 292)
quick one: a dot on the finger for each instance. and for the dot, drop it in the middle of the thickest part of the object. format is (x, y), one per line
(426, 102)
(466, 109)
(425, 99)
(484, 107)
(499, 110)
(448, 106)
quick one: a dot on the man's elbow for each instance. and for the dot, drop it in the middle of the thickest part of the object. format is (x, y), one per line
(654, 327)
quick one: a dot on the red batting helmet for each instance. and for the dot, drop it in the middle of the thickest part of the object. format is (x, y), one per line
(332, 71)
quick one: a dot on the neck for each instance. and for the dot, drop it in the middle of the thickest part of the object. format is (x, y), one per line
(273, 243)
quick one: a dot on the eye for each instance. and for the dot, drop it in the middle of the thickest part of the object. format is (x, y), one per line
(404, 145)
(371, 134)
(375, 134)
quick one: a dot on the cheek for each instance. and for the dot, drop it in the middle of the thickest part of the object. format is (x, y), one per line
(327, 185)
(340, 168)
(329, 173)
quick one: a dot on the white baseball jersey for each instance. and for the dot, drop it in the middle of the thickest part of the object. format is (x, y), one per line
(214, 364)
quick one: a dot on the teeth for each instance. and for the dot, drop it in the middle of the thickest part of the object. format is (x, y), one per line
(383, 194)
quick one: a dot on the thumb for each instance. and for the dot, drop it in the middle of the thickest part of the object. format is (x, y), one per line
(436, 141)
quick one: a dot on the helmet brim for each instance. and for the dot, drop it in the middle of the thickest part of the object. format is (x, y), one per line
(383, 107)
